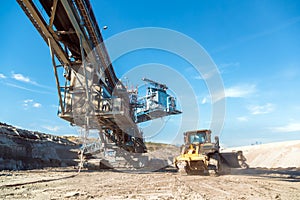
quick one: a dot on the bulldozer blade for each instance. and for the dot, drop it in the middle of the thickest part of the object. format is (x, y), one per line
(230, 159)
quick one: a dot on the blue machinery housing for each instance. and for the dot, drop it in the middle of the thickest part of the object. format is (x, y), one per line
(157, 103)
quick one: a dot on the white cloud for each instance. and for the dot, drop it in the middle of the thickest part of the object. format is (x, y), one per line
(198, 77)
(37, 105)
(207, 75)
(2, 76)
(52, 128)
(291, 127)
(54, 106)
(25, 79)
(21, 77)
(28, 101)
(31, 103)
(27, 89)
(204, 100)
(237, 91)
(242, 119)
(261, 109)
(240, 91)
(203, 77)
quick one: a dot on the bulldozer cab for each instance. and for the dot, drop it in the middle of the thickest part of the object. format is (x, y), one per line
(197, 137)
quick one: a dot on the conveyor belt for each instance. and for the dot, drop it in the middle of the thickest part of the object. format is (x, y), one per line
(67, 29)
(70, 29)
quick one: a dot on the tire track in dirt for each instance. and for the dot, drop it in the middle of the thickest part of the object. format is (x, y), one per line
(152, 185)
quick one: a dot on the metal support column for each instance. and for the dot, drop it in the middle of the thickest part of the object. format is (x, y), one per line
(56, 76)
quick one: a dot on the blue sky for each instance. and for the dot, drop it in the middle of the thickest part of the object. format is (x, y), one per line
(255, 45)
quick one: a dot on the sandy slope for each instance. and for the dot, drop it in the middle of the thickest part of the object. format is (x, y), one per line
(272, 155)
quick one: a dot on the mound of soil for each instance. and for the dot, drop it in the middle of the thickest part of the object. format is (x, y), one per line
(272, 155)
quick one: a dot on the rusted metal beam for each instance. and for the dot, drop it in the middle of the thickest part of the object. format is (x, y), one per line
(94, 35)
(38, 21)
(53, 13)
(56, 76)
(76, 26)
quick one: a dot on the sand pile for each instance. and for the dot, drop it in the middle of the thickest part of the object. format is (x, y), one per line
(272, 155)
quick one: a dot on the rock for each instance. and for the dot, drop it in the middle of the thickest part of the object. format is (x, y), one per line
(71, 194)
(21, 149)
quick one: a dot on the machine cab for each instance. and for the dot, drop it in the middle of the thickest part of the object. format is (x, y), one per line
(197, 137)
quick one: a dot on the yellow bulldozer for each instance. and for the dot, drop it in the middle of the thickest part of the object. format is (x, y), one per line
(199, 155)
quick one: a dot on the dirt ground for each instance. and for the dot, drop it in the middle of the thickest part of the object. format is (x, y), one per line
(65, 183)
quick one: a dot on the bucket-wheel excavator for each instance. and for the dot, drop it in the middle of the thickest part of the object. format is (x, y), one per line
(90, 95)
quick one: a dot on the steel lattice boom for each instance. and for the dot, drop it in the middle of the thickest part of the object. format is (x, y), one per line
(90, 94)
